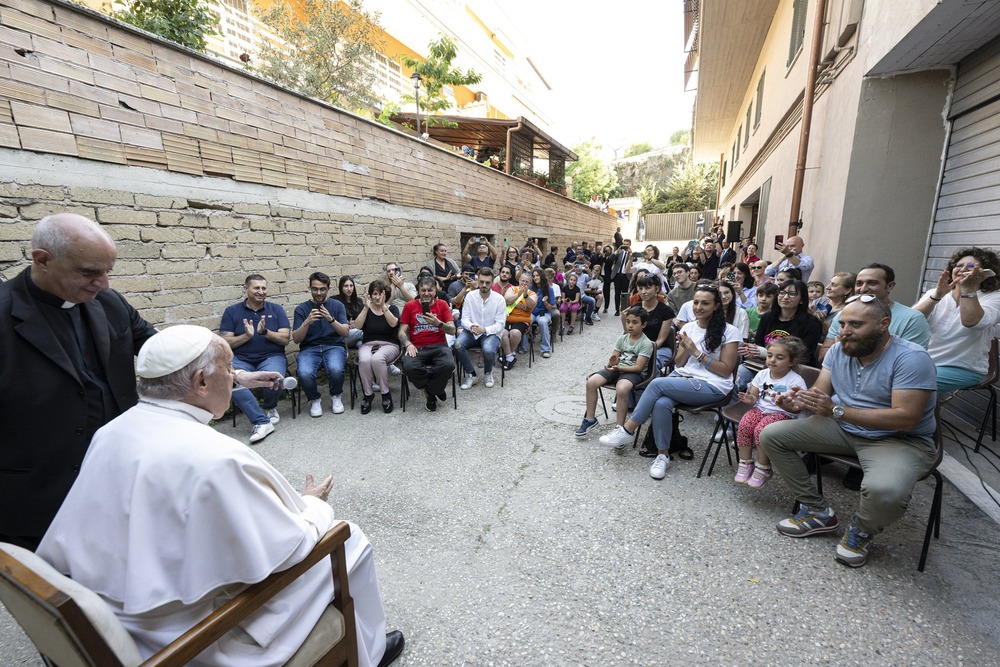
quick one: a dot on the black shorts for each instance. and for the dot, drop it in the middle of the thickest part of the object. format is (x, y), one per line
(614, 376)
(517, 326)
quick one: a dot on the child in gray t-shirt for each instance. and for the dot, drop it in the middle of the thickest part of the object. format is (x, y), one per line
(624, 369)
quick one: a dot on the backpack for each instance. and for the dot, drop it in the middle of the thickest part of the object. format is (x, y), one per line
(678, 442)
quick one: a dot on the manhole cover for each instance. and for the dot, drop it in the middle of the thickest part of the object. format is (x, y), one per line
(563, 409)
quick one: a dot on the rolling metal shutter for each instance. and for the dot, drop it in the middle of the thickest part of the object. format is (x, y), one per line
(968, 206)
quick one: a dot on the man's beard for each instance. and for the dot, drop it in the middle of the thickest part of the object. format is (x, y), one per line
(862, 346)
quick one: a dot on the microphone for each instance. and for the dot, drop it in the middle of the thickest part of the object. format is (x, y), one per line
(289, 383)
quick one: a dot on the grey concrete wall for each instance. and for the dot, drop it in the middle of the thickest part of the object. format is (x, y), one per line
(895, 165)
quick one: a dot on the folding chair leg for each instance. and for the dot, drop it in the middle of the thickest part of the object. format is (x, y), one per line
(603, 404)
(991, 412)
(933, 521)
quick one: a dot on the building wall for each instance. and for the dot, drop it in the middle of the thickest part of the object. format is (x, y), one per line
(874, 151)
(204, 174)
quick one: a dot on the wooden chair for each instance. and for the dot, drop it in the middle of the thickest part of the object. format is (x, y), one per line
(992, 375)
(71, 626)
(934, 519)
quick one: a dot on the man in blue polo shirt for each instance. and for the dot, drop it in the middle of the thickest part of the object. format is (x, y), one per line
(320, 329)
(257, 331)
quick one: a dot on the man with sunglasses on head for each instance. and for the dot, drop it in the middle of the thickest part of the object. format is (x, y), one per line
(875, 400)
(879, 280)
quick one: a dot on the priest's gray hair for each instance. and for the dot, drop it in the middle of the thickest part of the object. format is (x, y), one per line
(179, 384)
(58, 233)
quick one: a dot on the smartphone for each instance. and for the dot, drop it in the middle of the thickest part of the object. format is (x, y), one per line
(624, 305)
(779, 240)
(398, 271)
(731, 276)
(425, 307)
(317, 306)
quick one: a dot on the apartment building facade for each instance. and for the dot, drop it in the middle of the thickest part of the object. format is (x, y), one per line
(902, 158)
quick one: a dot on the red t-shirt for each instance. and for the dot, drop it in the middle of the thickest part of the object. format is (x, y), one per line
(425, 334)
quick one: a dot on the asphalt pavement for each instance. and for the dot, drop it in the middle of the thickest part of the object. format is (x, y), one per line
(501, 539)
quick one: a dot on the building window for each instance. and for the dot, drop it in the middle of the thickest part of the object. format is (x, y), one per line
(760, 100)
(736, 145)
(798, 29)
(746, 137)
(723, 173)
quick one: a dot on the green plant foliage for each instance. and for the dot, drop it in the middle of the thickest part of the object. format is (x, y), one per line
(325, 50)
(681, 138)
(187, 22)
(638, 149)
(691, 188)
(591, 174)
(437, 72)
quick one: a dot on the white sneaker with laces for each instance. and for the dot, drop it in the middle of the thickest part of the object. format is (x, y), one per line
(618, 438)
(468, 381)
(659, 468)
(261, 431)
(489, 380)
(316, 407)
(336, 405)
(596, 317)
(272, 414)
(394, 369)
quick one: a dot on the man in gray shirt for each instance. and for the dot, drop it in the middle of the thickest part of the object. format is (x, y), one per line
(874, 399)
(683, 290)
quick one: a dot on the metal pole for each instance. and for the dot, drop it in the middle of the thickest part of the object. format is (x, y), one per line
(416, 90)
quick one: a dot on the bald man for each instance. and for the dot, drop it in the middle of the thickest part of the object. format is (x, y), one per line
(792, 255)
(68, 344)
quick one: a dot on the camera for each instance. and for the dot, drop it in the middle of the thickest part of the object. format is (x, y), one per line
(398, 271)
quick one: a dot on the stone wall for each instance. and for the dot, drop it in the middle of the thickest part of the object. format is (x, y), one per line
(203, 173)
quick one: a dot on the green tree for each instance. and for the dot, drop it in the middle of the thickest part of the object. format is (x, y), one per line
(692, 188)
(638, 149)
(681, 138)
(437, 72)
(649, 192)
(591, 175)
(326, 49)
(187, 22)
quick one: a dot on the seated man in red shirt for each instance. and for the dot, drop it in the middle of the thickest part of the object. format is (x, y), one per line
(427, 359)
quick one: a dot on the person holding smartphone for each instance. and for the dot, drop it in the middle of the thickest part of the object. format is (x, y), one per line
(792, 256)
(427, 361)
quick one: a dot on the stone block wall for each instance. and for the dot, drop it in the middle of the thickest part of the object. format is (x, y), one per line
(204, 174)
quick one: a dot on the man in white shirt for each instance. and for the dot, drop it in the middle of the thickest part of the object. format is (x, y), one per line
(484, 314)
(169, 518)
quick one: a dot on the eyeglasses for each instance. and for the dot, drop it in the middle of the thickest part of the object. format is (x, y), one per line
(319, 290)
(788, 295)
(868, 298)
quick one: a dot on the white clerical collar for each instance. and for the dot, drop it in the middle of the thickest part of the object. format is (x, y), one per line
(203, 416)
(67, 305)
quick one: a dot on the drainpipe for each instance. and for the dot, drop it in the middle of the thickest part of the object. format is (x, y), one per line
(807, 108)
(516, 128)
(718, 186)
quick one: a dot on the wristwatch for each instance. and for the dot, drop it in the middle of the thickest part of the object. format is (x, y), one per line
(837, 412)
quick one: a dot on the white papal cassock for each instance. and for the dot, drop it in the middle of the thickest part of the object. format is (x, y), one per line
(168, 519)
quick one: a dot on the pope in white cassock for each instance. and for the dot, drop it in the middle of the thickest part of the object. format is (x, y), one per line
(168, 519)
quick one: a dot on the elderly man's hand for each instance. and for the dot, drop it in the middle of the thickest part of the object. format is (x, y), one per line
(259, 379)
(322, 490)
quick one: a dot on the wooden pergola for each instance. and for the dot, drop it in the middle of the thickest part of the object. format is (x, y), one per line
(522, 140)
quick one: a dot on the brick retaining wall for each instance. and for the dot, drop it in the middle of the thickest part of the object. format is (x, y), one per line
(203, 173)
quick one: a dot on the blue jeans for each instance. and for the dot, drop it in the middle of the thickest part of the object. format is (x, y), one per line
(660, 398)
(543, 322)
(663, 356)
(244, 398)
(489, 345)
(354, 337)
(588, 303)
(334, 357)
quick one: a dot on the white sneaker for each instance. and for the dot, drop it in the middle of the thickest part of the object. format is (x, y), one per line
(595, 317)
(261, 431)
(316, 407)
(618, 438)
(394, 369)
(489, 380)
(469, 381)
(659, 468)
(376, 386)
(272, 414)
(336, 405)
